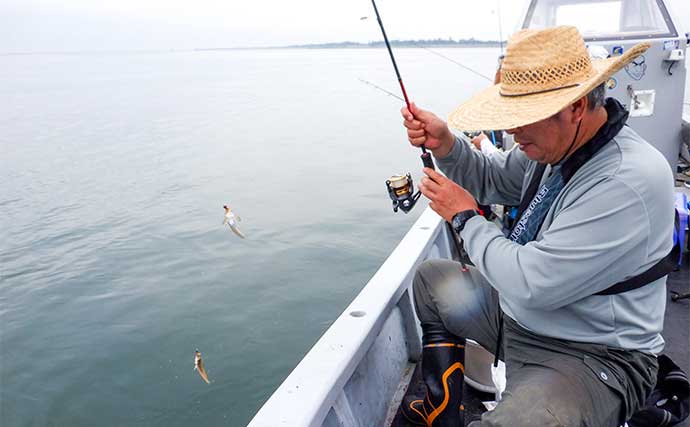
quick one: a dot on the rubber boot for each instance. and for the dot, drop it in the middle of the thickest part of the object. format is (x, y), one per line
(443, 370)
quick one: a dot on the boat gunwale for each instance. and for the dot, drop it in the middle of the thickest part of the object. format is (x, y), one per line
(306, 396)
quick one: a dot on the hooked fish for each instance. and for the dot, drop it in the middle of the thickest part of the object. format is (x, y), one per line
(199, 366)
(231, 220)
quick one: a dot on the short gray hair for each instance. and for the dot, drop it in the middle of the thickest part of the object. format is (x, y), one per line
(596, 97)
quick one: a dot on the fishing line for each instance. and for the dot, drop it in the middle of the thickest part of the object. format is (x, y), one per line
(500, 27)
(457, 63)
(380, 88)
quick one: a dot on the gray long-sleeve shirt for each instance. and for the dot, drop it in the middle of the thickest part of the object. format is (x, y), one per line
(613, 220)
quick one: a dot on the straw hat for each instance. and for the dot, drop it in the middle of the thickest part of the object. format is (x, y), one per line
(543, 72)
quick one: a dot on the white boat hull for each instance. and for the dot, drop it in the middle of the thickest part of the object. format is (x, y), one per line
(362, 363)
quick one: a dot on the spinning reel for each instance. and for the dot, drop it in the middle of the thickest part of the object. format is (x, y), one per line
(401, 187)
(401, 191)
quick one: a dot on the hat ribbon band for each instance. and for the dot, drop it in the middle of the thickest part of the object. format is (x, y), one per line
(539, 91)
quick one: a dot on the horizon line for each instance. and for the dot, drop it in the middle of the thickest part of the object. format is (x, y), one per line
(340, 44)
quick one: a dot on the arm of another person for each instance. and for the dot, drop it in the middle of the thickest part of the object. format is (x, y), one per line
(597, 240)
(481, 142)
(494, 179)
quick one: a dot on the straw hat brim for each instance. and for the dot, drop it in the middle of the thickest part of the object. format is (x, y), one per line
(489, 110)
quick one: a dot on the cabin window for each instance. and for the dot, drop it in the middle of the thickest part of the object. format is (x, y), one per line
(604, 19)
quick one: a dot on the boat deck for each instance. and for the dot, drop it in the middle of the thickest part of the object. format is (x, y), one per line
(676, 332)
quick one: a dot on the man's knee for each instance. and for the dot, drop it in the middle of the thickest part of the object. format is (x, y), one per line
(441, 279)
(423, 286)
(436, 290)
(462, 301)
(421, 282)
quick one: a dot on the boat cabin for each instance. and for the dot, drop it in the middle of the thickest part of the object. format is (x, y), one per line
(653, 85)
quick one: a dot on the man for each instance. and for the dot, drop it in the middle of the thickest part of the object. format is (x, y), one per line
(596, 210)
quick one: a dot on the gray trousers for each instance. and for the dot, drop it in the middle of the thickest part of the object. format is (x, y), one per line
(550, 382)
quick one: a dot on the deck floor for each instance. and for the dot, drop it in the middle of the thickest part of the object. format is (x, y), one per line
(676, 333)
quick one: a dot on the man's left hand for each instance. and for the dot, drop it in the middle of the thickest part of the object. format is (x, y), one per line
(447, 198)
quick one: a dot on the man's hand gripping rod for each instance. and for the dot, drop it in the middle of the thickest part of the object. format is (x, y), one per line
(426, 156)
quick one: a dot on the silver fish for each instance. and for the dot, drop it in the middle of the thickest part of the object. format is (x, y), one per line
(199, 366)
(231, 220)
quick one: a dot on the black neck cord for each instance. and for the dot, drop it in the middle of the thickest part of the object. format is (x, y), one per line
(577, 132)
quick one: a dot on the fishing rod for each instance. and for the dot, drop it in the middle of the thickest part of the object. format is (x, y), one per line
(426, 156)
(400, 187)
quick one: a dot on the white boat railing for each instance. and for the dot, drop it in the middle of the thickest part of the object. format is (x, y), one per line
(352, 374)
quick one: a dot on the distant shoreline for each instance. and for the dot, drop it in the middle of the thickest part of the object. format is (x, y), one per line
(436, 43)
(378, 44)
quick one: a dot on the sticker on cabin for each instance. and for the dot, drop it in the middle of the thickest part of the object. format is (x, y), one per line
(617, 51)
(611, 83)
(671, 44)
(637, 68)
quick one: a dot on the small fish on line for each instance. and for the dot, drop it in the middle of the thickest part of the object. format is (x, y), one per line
(199, 366)
(231, 220)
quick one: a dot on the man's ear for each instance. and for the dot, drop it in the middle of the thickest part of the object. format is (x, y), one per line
(578, 109)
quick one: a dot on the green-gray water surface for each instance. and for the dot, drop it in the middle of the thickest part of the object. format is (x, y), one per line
(114, 264)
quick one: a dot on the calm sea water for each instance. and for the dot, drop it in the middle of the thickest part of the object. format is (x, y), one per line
(114, 264)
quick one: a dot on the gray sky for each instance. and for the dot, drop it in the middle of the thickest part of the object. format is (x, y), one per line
(74, 25)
